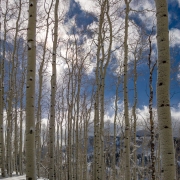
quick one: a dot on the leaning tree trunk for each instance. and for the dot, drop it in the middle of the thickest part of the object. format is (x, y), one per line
(30, 94)
(168, 168)
(53, 95)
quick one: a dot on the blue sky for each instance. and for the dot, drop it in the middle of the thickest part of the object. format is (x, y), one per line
(84, 18)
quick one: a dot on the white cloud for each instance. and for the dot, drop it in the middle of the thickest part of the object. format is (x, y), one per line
(88, 5)
(174, 35)
(143, 118)
(178, 2)
(148, 11)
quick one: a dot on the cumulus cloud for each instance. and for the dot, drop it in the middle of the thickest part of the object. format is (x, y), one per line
(88, 5)
(178, 2)
(143, 118)
(174, 37)
(147, 9)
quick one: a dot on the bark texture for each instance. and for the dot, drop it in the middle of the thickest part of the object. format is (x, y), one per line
(30, 93)
(53, 96)
(125, 91)
(168, 168)
(2, 150)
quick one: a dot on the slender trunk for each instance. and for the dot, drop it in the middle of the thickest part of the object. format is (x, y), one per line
(96, 159)
(16, 138)
(85, 175)
(53, 96)
(77, 126)
(2, 150)
(30, 94)
(115, 131)
(21, 120)
(135, 118)
(57, 154)
(5, 163)
(61, 154)
(21, 135)
(9, 129)
(163, 102)
(69, 138)
(125, 91)
(151, 69)
(38, 123)
(10, 99)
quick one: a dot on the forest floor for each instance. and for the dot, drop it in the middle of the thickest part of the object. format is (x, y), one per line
(19, 178)
(15, 177)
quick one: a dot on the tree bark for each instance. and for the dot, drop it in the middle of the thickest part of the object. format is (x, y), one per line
(151, 69)
(125, 91)
(2, 150)
(168, 168)
(53, 96)
(40, 73)
(30, 94)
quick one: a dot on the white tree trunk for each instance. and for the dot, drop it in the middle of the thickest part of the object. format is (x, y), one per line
(151, 69)
(30, 94)
(53, 96)
(2, 150)
(163, 103)
(38, 123)
(135, 118)
(125, 90)
(2, 153)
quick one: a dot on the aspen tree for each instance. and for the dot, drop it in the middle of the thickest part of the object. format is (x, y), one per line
(97, 143)
(151, 69)
(14, 84)
(125, 91)
(16, 136)
(16, 101)
(70, 111)
(2, 150)
(9, 126)
(30, 93)
(137, 55)
(9, 101)
(40, 73)
(2, 153)
(57, 152)
(115, 129)
(103, 59)
(53, 96)
(21, 118)
(79, 76)
(135, 117)
(21, 96)
(85, 124)
(102, 76)
(163, 101)
(61, 130)
(59, 121)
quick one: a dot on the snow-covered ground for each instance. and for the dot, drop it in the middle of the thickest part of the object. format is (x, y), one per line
(19, 178)
(15, 177)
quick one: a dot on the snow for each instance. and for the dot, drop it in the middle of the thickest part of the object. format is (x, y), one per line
(19, 178)
(15, 178)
